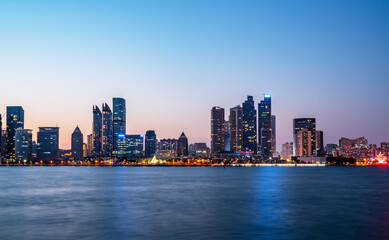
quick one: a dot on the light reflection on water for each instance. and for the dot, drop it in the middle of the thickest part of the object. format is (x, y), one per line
(194, 203)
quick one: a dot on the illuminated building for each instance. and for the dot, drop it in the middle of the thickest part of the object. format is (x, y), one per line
(217, 130)
(303, 143)
(182, 145)
(249, 126)
(3, 142)
(265, 133)
(310, 125)
(274, 135)
(97, 131)
(23, 145)
(332, 149)
(319, 144)
(48, 143)
(150, 143)
(119, 121)
(77, 144)
(201, 150)
(167, 148)
(89, 145)
(285, 153)
(236, 129)
(15, 120)
(227, 136)
(355, 148)
(107, 132)
(130, 146)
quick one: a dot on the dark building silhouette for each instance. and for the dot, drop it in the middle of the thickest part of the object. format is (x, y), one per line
(107, 132)
(182, 145)
(23, 145)
(119, 121)
(217, 130)
(307, 124)
(236, 128)
(77, 143)
(249, 126)
(48, 143)
(1, 136)
(97, 132)
(150, 143)
(274, 135)
(15, 120)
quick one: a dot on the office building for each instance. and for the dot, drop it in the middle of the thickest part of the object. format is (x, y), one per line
(285, 152)
(97, 131)
(77, 144)
(201, 150)
(107, 132)
(48, 143)
(217, 130)
(236, 129)
(249, 126)
(119, 121)
(150, 144)
(23, 145)
(274, 135)
(130, 146)
(310, 125)
(15, 120)
(89, 145)
(182, 145)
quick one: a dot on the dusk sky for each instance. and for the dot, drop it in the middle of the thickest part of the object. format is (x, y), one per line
(174, 60)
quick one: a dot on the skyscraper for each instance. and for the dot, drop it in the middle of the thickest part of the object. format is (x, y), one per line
(303, 143)
(249, 126)
(182, 145)
(265, 132)
(15, 120)
(23, 145)
(310, 125)
(236, 128)
(47, 143)
(227, 136)
(97, 131)
(274, 136)
(119, 121)
(150, 143)
(319, 142)
(89, 145)
(107, 132)
(77, 144)
(217, 130)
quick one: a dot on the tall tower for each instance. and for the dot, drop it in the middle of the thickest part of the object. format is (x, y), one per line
(48, 143)
(236, 128)
(77, 143)
(150, 143)
(97, 131)
(274, 136)
(119, 121)
(107, 132)
(182, 145)
(265, 132)
(15, 120)
(249, 126)
(307, 124)
(23, 145)
(217, 130)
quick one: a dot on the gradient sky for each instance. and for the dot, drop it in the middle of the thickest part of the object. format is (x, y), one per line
(173, 60)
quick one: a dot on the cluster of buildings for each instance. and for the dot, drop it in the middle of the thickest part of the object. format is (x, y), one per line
(245, 132)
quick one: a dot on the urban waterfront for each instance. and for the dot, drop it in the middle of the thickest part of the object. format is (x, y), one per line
(64, 202)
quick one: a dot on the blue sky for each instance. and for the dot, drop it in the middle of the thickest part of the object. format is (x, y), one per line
(174, 60)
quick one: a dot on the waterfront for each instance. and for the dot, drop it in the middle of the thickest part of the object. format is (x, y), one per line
(64, 202)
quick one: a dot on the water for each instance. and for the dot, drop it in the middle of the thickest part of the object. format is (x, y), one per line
(194, 203)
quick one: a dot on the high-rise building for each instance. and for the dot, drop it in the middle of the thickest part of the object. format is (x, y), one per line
(3, 134)
(167, 148)
(23, 145)
(265, 132)
(77, 144)
(310, 125)
(285, 153)
(182, 145)
(249, 126)
(48, 143)
(119, 121)
(227, 136)
(303, 143)
(217, 130)
(150, 143)
(89, 145)
(274, 135)
(236, 129)
(97, 131)
(15, 120)
(130, 146)
(107, 132)
(319, 144)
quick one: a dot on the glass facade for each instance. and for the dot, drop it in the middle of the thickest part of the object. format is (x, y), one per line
(310, 125)
(119, 120)
(249, 126)
(97, 131)
(217, 130)
(150, 143)
(15, 120)
(107, 132)
(77, 144)
(47, 143)
(23, 145)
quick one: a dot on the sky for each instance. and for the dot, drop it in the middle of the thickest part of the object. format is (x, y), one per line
(174, 60)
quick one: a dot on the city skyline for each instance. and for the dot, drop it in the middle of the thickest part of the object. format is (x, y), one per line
(172, 62)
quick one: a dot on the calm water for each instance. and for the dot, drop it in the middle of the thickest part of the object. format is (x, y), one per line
(194, 203)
